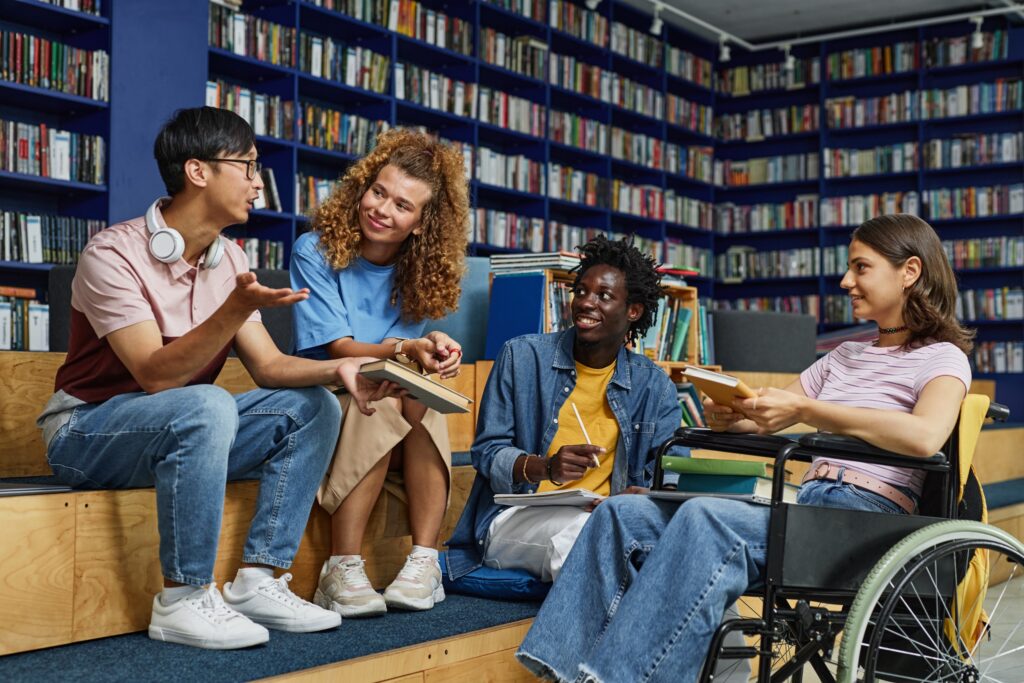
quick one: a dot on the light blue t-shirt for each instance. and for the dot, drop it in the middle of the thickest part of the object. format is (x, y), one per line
(353, 302)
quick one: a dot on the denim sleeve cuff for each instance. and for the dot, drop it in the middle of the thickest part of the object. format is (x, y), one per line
(500, 474)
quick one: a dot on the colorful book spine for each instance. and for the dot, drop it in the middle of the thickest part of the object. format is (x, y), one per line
(799, 214)
(578, 21)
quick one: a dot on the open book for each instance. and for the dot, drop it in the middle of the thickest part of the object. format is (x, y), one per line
(575, 497)
(720, 387)
(429, 392)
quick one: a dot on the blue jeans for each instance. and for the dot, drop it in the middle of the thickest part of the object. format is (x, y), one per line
(187, 443)
(647, 583)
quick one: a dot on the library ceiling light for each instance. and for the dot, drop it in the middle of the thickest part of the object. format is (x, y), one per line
(976, 16)
(977, 39)
(724, 52)
(657, 22)
(592, 4)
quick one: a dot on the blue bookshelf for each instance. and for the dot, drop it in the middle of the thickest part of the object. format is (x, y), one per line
(160, 74)
(44, 104)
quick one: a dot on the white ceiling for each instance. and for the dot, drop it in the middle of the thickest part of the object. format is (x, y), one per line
(764, 20)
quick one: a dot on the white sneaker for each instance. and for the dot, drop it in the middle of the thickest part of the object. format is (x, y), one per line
(273, 604)
(203, 620)
(417, 586)
(345, 589)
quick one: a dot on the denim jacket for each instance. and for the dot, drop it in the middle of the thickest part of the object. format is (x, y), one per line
(528, 384)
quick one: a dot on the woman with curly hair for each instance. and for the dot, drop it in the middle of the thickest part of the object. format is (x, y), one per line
(385, 253)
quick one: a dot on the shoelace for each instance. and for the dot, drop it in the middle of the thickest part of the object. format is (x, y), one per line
(353, 574)
(278, 589)
(414, 567)
(211, 604)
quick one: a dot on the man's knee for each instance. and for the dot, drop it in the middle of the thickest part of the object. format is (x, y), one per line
(321, 405)
(203, 405)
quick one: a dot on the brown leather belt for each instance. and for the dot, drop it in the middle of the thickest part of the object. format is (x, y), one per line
(830, 472)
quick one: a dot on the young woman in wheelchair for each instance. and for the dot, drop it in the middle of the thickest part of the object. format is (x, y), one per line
(648, 582)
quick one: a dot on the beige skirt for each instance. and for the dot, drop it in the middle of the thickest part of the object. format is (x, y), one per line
(365, 440)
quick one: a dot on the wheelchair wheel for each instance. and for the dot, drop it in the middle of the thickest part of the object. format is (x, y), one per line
(916, 617)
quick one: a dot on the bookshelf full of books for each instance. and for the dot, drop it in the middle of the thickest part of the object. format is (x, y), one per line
(54, 141)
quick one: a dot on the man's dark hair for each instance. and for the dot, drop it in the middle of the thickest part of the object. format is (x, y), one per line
(643, 283)
(198, 133)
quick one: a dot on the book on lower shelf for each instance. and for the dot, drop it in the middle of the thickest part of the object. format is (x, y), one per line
(427, 391)
(572, 497)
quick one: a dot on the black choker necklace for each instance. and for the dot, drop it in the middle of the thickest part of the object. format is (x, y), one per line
(892, 330)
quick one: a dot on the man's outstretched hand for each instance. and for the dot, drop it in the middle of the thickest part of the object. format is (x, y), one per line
(250, 294)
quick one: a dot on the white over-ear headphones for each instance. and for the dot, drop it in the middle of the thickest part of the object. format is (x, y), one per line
(167, 245)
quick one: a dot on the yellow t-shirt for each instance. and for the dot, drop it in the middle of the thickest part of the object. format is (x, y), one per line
(590, 399)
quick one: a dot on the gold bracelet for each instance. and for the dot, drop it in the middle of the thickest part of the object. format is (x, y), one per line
(526, 478)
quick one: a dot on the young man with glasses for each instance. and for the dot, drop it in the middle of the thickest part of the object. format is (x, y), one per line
(157, 303)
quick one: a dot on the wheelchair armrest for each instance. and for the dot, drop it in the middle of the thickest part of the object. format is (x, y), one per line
(998, 412)
(851, 448)
(766, 445)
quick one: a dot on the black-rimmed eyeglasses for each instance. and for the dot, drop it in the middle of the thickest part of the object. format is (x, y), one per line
(252, 166)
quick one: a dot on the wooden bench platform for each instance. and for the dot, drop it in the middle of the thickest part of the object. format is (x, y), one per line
(84, 564)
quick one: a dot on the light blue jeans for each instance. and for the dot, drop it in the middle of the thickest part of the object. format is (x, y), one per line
(647, 583)
(187, 443)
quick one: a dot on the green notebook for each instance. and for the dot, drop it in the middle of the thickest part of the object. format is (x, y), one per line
(748, 468)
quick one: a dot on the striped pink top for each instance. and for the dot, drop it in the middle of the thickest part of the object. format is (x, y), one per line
(861, 375)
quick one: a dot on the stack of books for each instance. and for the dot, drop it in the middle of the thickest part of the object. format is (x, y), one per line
(738, 479)
(503, 264)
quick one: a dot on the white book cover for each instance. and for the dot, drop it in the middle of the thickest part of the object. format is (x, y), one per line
(352, 66)
(400, 80)
(431, 27)
(38, 327)
(261, 200)
(316, 56)
(460, 99)
(442, 30)
(59, 155)
(393, 16)
(245, 105)
(1017, 199)
(435, 91)
(212, 99)
(33, 245)
(238, 34)
(5, 324)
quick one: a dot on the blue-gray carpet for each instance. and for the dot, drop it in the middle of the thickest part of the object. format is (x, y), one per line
(135, 657)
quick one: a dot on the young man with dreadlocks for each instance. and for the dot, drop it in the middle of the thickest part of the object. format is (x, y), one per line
(529, 436)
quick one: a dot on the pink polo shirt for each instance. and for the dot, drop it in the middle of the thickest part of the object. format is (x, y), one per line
(118, 283)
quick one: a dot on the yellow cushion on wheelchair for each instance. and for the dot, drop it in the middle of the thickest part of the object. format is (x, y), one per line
(972, 416)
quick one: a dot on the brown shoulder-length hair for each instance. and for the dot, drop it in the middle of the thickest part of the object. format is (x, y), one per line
(429, 267)
(929, 305)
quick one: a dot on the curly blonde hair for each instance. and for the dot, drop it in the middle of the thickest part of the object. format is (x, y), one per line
(429, 267)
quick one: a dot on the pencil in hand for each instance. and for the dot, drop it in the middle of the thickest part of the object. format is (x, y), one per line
(597, 462)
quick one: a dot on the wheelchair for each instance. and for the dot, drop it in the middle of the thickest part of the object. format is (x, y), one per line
(901, 594)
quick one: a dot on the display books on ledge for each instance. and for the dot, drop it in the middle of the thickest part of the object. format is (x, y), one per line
(429, 392)
(502, 264)
(572, 497)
